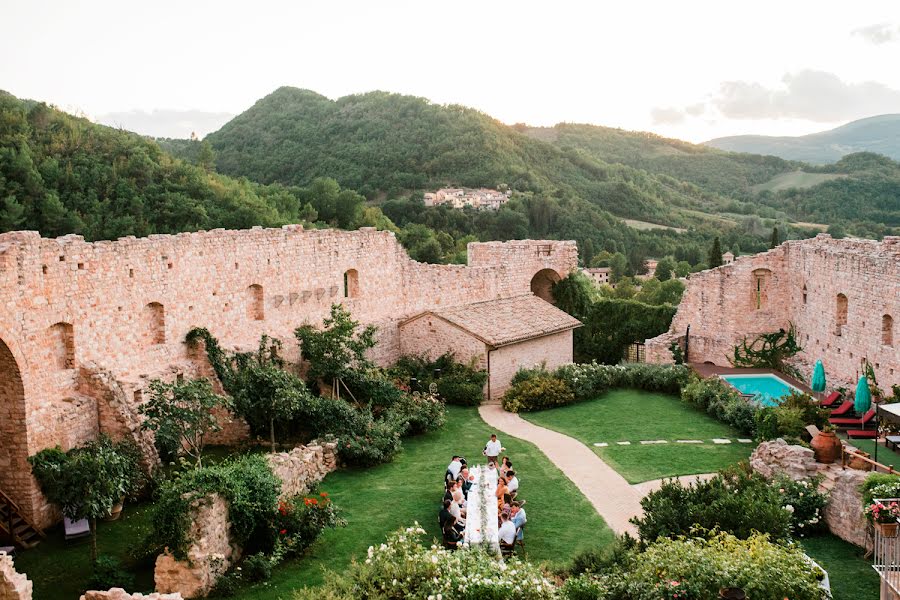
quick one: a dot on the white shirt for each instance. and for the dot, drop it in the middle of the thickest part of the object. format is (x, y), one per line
(454, 510)
(454, 467)
(513, 484)
(507, 532)
(493, 448)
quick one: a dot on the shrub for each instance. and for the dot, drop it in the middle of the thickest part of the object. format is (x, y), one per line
(529, 373)
(723, 402)
(590, 380)
(585, 586)
(404, 567)
(368, 442)
(879, 485)
(109, 573)
(734, 501)
(257, 567)
(779, 421)
(805, 503)
(300, 520)
(698, 568)
(457, 383)
(602, 559)
(538, 393)
(417, 413)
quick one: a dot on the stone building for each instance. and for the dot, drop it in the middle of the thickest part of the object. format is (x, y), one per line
(499, 336)
(599, 275)
(85, 326)
(842, 296)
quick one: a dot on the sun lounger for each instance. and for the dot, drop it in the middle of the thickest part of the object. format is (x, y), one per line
(864, 434)
(76, 529)
(843, 409)
(830, 400)
(853, 421)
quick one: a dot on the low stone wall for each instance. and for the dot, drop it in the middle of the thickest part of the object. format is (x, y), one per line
(120, 594)
(212, 552)
(844, 511)
(13, 585)
(770, 458)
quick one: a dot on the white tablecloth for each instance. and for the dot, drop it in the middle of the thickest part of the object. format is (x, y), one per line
(481, 507)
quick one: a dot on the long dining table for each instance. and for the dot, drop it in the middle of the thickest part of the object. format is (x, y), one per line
(481, 509)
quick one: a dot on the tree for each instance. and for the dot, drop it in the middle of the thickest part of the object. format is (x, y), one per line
(181, 415)
(715, 254)
(337, 349)
(618, 265)
(269, 396)
(206, 157)
(682, 268)
(664, 268)
(775, 238)
(88, 481)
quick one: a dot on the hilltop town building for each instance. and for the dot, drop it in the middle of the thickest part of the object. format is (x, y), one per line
(842, 296)
(86, 326)
(480, 199)
(599, 275)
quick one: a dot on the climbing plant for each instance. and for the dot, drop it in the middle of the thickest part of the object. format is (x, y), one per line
(769, 351)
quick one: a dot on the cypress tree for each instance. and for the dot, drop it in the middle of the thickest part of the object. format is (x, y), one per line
(775, 238)
(715, 254)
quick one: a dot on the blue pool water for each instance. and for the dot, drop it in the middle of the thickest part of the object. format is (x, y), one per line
(768, 389)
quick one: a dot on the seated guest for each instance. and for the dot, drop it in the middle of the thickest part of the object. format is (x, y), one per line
(502, 491)
(456, 511)
(457, 493)
(519, 519)
(445, 515)
(505, 466)
(467, 481)
(452, 536)
(448, 490)
(507, 532)
(512, 483)
(454, 468)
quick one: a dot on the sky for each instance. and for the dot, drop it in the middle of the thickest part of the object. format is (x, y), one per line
(692, 69)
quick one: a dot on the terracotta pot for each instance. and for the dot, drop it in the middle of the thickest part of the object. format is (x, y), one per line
(730, 593)
(826, 446)
(858, 463)
(888, 530)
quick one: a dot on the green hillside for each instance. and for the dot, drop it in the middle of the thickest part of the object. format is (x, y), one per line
(880, 134)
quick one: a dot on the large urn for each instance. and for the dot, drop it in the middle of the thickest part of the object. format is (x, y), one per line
(826, 446)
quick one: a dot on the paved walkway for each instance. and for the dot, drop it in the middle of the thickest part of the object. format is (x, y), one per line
(612, 496)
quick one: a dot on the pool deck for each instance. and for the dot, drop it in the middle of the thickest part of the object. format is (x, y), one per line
(705, 370)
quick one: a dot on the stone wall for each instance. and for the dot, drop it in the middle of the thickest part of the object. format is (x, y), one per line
(120, 594)
(13, 585)
(122, 308)
(844, 511)
(553, 350)
(841, 295)
(212, 551)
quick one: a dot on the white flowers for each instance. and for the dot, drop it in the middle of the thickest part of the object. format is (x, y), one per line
(789, 508)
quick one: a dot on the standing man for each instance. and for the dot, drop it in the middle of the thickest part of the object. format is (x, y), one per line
(453, 468)
(493, 449)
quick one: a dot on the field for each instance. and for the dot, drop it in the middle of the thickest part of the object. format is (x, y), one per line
(795, 179)
(646, 226)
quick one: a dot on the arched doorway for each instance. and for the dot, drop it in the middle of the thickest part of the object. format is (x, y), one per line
(14, 471)
(542, 284)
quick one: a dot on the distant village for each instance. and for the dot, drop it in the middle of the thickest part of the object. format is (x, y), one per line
(479, 199)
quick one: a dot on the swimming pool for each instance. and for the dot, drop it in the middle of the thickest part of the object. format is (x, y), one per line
(767, 389)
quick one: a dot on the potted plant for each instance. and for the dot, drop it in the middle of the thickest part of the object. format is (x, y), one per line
(884, 517)
(826, 445)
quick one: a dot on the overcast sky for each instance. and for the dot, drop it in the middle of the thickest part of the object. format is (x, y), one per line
(693, 70)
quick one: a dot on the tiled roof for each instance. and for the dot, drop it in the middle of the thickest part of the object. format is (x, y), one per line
(507, 320)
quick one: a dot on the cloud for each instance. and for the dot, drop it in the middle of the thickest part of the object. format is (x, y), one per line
(167, 122)
(808, 95)
(879, 33)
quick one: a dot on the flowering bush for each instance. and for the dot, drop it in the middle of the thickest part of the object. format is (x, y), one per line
(687, 568)
(300, 520)
(368, 442)
(879, 512)
(803, 500)
(880, 485)
(404, 567)
(417, 413)
(590, 380)
(538, 393)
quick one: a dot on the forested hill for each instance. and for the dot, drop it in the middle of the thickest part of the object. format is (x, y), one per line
(879, 134)
(387, 144)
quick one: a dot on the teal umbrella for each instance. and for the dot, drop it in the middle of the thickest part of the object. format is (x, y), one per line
(818, 377)
(863, 401)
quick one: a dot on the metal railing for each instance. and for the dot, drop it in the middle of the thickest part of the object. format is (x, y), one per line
(886, 555)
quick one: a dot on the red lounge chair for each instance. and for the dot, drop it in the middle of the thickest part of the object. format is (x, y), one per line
(866, 434)
(843, 409)
(847, 421)
(831, 399)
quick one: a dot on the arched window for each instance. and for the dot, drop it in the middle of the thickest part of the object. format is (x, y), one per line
(154, 318)
(761, 279)
(351, 284)
(62, 346)
(887, 330)
(841, 310)
(542, 284)
(256, 310)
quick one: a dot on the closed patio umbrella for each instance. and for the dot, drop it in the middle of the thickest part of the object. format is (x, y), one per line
(863, 400)
(818, 378)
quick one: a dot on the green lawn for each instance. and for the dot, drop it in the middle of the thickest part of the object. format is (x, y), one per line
(850, 575)
(635, 415)
(375, 502)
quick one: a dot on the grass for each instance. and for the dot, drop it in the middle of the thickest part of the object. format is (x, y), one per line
(795, 179)
(886, 456)
(851, 576)
(647, 226)
(635, 415)
(375, 501)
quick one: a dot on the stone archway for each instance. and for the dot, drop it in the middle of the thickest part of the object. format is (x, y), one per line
(15, 475)
(542, 284)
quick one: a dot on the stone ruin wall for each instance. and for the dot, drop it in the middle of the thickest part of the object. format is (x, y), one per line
(212, 551)
(120, 594)
(85, 326)
(800, 283)
(13, 585)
